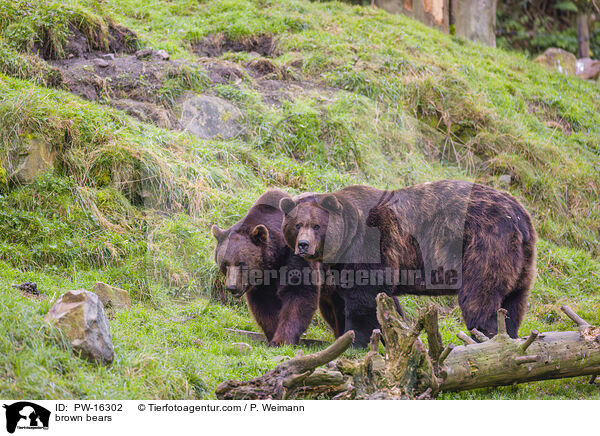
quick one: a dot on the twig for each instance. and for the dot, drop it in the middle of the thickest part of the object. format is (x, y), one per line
(465, 338)
(574, 317)
(502, 321)
(445, 353)
(375, 339)
(534, 334)
(526, 359)
(479, 336)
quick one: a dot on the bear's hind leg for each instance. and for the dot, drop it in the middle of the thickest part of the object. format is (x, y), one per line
(479, 306)
(515, 303)
(361, 316)
(332, 310)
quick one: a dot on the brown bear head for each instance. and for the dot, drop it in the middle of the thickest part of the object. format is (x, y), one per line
(254, 243)
(313, 225)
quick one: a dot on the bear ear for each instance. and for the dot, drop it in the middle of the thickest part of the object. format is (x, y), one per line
(286, 205)
(331, 203)
(259, 234)
(218, 232)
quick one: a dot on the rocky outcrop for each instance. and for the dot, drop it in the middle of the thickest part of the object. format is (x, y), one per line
(80, 315)
(112, 297)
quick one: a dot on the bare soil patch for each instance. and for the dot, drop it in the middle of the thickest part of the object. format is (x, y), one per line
(215, 45)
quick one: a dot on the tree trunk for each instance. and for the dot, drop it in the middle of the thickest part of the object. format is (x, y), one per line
(583, 36)
(475, 20)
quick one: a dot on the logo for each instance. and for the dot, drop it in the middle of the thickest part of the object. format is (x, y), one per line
(26, 415)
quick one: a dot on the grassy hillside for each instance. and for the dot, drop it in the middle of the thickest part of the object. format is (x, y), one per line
(345, 95)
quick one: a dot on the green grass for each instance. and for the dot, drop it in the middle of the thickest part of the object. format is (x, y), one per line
(390, 103)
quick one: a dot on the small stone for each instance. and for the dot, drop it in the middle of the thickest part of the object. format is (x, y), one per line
(253, 55)
(162, 54)
(80, 315)
(28, 288)
(112, 297)
(505, 180)
(241, 347)
(102, 63)
(145, 52)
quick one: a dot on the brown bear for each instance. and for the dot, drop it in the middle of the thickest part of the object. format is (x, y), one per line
(253, 255)
(439, 238)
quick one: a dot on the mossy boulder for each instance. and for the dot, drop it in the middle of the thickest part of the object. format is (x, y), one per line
(30, 158)
(81, 317)
(112, 297)
(209, 117)
(559, 60)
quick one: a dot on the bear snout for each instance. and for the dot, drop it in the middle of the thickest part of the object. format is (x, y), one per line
(303, 246)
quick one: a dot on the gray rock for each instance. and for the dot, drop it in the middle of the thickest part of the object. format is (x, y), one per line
(102, 63)
(30, 158)
(162, 54)
(143, 53)
(112, 297)
(504, 180)
(588, 68)
(80, 315)
(209, 117)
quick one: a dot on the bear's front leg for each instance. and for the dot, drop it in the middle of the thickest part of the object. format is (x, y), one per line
(298, 306)
(264, 305)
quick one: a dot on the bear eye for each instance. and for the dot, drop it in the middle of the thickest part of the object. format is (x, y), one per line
(316, 227)
(298, 226)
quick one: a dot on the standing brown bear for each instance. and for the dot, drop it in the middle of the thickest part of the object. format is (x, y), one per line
(253, 255)
(440, 238)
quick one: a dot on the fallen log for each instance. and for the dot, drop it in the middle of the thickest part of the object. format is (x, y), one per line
(410, 370)
(504, 361)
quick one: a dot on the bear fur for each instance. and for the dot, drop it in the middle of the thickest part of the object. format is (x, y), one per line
(449, 237)
(256, 242)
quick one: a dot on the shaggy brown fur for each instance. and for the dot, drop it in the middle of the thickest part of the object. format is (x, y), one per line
(454, 236)
(256, 243)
